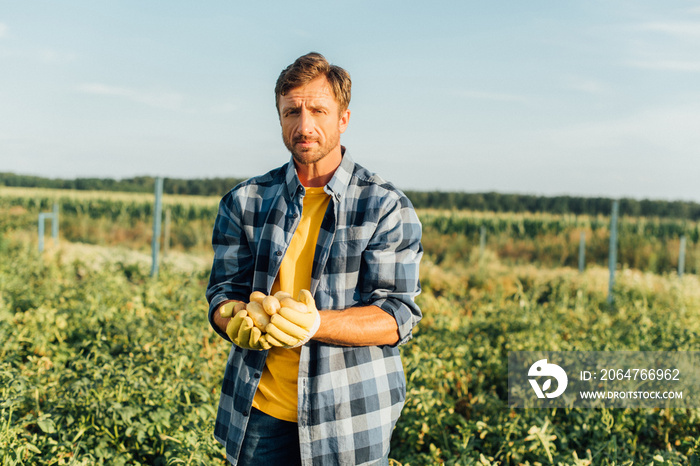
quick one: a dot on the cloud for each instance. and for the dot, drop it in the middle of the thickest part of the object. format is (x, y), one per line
(164, 100)
(587, 85)
(46, 56)
(493, 96)
(51, 56)
(681, 29)
(666, 65)
(668, 130)
(667, 46)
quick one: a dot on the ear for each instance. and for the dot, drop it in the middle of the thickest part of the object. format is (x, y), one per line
(344, 120)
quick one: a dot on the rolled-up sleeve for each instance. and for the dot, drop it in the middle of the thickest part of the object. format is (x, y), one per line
(391, 264)
(232, 268)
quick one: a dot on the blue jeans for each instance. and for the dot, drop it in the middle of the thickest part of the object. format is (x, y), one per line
(269, 441)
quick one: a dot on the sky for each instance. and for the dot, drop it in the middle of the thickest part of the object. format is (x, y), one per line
(583, 98)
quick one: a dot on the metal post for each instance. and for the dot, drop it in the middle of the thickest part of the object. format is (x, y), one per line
(681, 257)
(54, 224)
(612, 259)
(156, 225)
(582, 252)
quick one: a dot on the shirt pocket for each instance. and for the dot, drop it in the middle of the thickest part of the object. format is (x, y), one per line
(342, 271)
(360, 233)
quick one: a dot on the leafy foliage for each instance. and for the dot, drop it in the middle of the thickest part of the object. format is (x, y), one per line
(104, 366)
(99, 364)
(456, 365)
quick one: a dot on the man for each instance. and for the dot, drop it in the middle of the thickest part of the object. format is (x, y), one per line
(321, 223)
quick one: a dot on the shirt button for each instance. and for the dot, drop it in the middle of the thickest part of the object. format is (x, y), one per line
(245, 413)
(279, 253)
(256, 375)
(295, 215)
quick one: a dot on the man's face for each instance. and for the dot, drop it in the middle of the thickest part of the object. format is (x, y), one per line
(312, 121)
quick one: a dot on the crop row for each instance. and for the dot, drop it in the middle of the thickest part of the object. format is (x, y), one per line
(102, 365)
(534, 225)
(129, 206)
(650, 244)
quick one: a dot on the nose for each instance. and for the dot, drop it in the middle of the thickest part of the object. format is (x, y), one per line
(305, 126)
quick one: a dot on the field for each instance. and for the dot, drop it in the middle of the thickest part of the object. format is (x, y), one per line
(101, 364)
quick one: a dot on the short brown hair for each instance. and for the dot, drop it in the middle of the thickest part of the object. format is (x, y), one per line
(309, 67)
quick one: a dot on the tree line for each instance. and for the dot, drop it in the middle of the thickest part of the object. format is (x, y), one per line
(577, 205)
(139, 184)
(488, 202)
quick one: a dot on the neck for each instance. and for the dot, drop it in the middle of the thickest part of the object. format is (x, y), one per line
(318, 174)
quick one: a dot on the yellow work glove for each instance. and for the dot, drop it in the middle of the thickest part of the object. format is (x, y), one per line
(231, 308)
(243, 332)
(295, 323)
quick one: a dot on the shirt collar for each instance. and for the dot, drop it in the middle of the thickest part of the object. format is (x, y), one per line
(336, 187)
(292, 180)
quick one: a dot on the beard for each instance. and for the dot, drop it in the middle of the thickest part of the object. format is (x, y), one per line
(311, 155)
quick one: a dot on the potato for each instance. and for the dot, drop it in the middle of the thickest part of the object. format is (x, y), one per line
(271, 305)
(257, 297)
(258, 314)
(280, 295)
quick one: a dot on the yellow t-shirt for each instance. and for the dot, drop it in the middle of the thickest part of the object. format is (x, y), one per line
(277, 391)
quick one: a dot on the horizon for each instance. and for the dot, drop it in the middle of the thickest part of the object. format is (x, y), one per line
(502, 193)
(582, 100)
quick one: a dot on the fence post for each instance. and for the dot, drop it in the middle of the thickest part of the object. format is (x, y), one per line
(681, 257)
(54, 226)
(582, 252)
(156, 225)
(612, 259)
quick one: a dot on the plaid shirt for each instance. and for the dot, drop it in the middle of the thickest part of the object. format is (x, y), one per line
(367, 252)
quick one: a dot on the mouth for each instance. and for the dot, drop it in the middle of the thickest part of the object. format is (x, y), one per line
(305, 143)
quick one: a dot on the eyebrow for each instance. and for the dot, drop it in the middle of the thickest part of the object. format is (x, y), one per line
(311, 106)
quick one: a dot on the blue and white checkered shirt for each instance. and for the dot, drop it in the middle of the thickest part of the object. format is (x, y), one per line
(368, 252)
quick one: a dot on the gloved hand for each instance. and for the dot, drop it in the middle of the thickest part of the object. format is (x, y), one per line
(243, 332)
(295, 323)
(231, 308)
